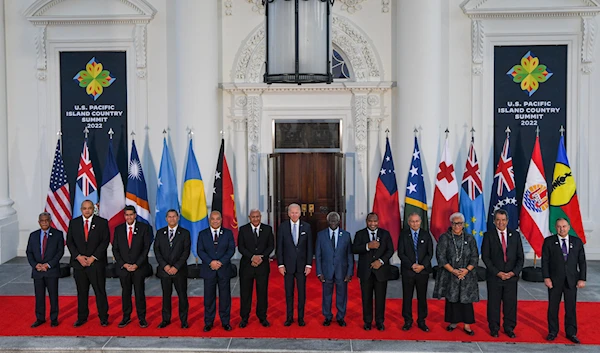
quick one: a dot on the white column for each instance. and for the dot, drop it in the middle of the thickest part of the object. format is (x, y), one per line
(363, 200)
(419, 99)
(9, 235)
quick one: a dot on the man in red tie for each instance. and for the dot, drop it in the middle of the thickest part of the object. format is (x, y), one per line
(87, 239)
(130, 247)
(502, 253)
(45, 248)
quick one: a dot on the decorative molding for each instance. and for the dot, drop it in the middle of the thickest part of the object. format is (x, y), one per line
(257, 6)
(373, 87)
(477, 36)
(360, 112)
(40, 46)
(473, 9)
(373, 100)
(588, 29)
(139, 39)
(253, 115)
(239, 123)
(587, 68)
(228, 6)
(351, 6)
(385, 6)
(477, 69)
(374, 124)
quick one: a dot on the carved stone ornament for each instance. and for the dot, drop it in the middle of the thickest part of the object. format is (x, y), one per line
(588, 29)
(254, 112)
(385, 6)
(257, 6)
(351, 5)
(228, 5)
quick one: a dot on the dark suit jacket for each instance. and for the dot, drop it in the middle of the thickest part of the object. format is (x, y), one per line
(140, 245)
(365, 257)
(176, 256)
(493, 256)
(406, 251)
(554, 265)
(55, 249)
(338, 262)
(98, 239)
(294, 258)
(248, 247)
(223, 252)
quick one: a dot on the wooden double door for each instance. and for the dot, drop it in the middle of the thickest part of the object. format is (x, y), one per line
(315, 181)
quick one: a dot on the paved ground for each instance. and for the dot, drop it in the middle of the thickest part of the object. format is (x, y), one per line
(15, 280)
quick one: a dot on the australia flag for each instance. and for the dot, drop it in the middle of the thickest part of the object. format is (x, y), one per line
(504, 195)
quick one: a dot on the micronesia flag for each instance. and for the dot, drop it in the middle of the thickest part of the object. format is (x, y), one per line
(166, 192)
(137, 194)
(194, 213)
(504, 194)
(86, 187)
(471, 203)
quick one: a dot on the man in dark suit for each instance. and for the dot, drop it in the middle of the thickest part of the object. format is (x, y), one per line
(130, 247)
(294, 256)
(502, 253)
(415, 250)
(45, 248)
(216, 246)
(564, 270)
(172, 246)
(87, 239)
(255, 243)
(335, 265)
(374, 248)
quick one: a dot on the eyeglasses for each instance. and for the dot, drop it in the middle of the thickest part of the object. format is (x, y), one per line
(458, 223)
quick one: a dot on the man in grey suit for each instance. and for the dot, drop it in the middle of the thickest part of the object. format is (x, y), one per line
(335, 265)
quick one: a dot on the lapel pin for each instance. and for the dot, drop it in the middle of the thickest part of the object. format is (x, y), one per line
(93, 226)
(556, 243)
(422, 241)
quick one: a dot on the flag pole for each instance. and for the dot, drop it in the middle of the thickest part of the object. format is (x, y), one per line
(447, 132)
(387, 133)
(86, 132)
(59, 134)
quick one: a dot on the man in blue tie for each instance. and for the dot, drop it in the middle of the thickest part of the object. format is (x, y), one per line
(564, 270)
(335, 265)
(415, 250)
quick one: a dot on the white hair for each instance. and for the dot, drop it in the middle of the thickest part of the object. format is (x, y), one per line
(457, 215)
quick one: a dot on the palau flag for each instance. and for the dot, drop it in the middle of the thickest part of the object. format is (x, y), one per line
(563, 199)
(137, 194)
(86, 187)
(166, 192)
(193, 200)
(471, 198)
(415, 200)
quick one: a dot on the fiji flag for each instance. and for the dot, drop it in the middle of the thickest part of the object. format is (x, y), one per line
(471, 198)
(166, 192)
(386, 203)
(415, 200)
(193, 200)
(137, 194)
(86, 187)
(504, 195)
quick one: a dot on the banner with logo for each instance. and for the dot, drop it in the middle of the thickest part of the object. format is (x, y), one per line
(530, 91)
(93, 91)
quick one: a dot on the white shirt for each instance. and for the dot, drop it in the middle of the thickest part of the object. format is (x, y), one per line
(212, 232)
(132, 227)
(89, 221)
(500, 235)
(255, 229)
(560, 242)
(373, 236)
(333, 234)
(173, 229)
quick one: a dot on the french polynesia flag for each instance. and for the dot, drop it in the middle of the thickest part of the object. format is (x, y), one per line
(223, 198)
(112, 193)
(535, 210)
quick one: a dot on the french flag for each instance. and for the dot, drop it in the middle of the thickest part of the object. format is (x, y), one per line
(112, 193)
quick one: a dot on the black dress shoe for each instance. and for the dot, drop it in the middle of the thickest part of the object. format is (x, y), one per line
(380, 327)
(469, 332)
(574, 339)
(288, 322)
(341, 322)
(163, 324)
(495, 334)
(79, 323)
(124, 322)
(423, 327)
(510, 334)
(327, 322)
(54, 323)
(550, 337)
(367, 327)
(103, 323)
(243, 324)
(450, 328)
(37, 323)
(301, 323)
(207, 328)
(185, 325)
(227, 327)
(265, 323)
(406, 327)
(143, 323)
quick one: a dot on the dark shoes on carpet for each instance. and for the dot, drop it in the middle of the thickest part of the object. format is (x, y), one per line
(143, 323)
(341, 322)
(550, 337)
(469, 332)
(288, 322)
(124, 322)
(406, 327)
(510, 334)
(574, 339)
(185, 325)
(79, 323)
(227, 327)
(207, 328)
(301, 323)
(494, 334)
(163, 324)
(380, 327)
(53, 323)
(423, 327)
(103, 323)
(327, 322)
(367, 327)
(265, 323)
(243, 323)
(37, 323)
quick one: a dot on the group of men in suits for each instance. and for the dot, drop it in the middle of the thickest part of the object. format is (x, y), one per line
(563, 268)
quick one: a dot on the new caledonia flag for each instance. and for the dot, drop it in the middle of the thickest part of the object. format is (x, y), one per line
(223, 198)
(386, 203)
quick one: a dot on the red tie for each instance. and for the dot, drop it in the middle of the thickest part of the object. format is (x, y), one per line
(86, 230)
(130, 236)
(503, 245)
(44, 244)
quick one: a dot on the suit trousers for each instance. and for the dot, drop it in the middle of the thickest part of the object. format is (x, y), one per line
(367, 287)
(135, 279)
(409, 283)
(246, 288)
(96, 276)
(180, 283)
(210, 299)
(300, 279)
(40, 285)
(570, 296)
(502, 294)
(341, 298)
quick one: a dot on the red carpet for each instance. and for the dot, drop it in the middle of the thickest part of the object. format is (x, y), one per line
(17, 314)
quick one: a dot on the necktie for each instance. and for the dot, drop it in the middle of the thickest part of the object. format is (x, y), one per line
(503, 245)
(44, 244)
(564, 249)
(216, 239)
(256, 236)
(415, 243)
(171, 236)
(86, 230)
(130, 236)
(372, 236)
(295, 233)
(333, 239)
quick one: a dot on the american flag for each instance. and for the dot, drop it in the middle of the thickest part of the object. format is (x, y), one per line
(58, 201)
(504, 195)
(86, 180)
